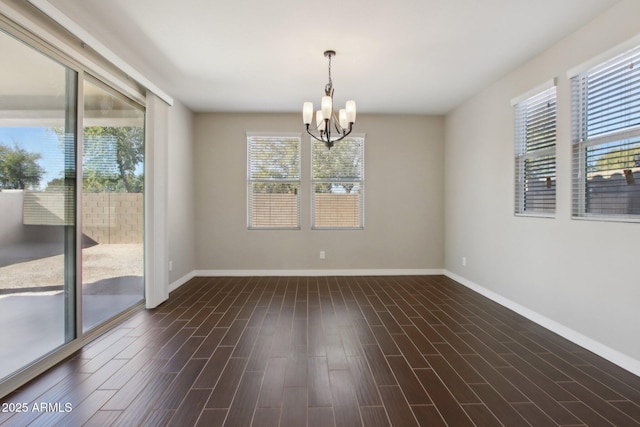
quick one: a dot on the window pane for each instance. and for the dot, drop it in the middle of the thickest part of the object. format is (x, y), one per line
(274, 158)
(274, 205)
(612, 95)
(273, 177)
(606, 155)
(336, 205)
(540, 184)
(344, 161)
(37, 203)
(112, 203)
(535, 161)
(611, 182)
(338, 184)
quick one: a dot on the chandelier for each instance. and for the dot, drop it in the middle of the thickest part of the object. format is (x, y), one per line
(326, 118)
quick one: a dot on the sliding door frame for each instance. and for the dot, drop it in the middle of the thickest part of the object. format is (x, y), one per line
(73, 235)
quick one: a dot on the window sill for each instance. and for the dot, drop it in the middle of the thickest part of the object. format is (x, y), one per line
(536, 215)
(606, 218)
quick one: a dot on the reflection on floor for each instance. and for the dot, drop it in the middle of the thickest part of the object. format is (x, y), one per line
(105, 298)
(32, 310)
(27, 337)
(33, 323)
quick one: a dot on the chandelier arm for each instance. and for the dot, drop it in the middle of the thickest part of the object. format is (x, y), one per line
(315, 137)
(344, 133)
(329, 142)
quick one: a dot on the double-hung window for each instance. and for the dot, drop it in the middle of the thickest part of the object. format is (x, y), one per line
(606, 140)
(273, 180)
(338, 184)
(535, 154)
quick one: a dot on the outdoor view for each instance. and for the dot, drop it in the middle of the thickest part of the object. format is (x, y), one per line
(39, 280)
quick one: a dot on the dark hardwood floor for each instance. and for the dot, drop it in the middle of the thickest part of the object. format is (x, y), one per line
(330, 351)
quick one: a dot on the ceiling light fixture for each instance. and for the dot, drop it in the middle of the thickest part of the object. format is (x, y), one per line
(326, 116)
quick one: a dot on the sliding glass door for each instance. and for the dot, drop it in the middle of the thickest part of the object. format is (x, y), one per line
(71, 202)
(113, 202)
(37, 204)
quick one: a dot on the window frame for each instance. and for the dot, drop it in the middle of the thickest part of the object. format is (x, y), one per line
(359, 182)
(526, 108)
(618, 137)
(252, 137)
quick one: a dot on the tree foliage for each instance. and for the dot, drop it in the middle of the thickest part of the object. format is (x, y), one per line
(272, 162)
(341, 165)
(19, 169)
(111, 158)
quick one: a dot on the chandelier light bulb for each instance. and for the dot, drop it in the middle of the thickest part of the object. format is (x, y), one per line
(307, 113)
(351, 111)
(327, 107)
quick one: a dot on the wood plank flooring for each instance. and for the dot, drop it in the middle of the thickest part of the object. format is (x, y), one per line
(330, 351)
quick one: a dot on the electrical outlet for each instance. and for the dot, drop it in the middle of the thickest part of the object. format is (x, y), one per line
(170, 265)
(322, 255)
(464, 261)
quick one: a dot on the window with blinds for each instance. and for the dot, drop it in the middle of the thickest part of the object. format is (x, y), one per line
(606, 140)
(535, 154)
(338, 184)
(273, 180)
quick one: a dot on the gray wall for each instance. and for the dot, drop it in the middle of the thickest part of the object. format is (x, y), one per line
(404, 223)
(181, 209)
(580, 274)
(11, 228)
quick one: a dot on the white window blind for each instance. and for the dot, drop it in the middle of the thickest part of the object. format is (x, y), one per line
(273, 178)
(606, 140)
(338, 184)
(535, 154)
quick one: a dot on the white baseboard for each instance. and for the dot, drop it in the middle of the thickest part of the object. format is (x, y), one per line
(364, 272)
(181, 281)
(614, 356)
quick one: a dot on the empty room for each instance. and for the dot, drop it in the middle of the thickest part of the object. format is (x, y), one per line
(286, 213)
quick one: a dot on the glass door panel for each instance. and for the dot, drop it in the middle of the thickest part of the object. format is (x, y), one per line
(112, 205)
(37, 205)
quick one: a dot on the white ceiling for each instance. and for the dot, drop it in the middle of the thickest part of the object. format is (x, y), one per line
(400, 56)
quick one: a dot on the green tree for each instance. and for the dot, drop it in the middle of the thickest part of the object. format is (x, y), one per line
(19, 169)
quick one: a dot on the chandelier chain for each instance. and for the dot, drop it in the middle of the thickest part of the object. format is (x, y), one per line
(329, 85)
